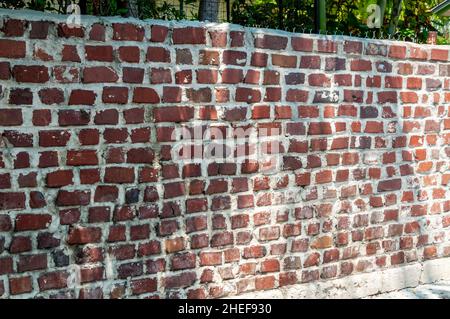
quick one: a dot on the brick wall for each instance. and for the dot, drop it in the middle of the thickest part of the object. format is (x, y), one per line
(93, 203)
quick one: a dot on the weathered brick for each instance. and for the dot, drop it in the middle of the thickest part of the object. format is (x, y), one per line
(128, 32)
(87, 162)
(189, 35)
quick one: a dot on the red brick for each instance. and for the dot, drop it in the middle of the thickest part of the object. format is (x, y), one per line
(18, 139)
(389, 185)
(89, 137)
(183, 77)
(99, 53)
(327, 46)
(210, 258)
(12, 49)
(113, 135)
(5, 71)
(235, 114)
(134, 116)
(84, 235)
(59, 178)
(310, 62)
(67, 31)
(361, 65)
(439, 55)
(53, 280)
(141, 286)
(127, 32)
(173, 114)
(89, 176)
(13, 27)
(232, 76)
(158, 33)
(322, 242)
(222, 239)
(117, 95)
(397, 51)
(82, 157)
(129, 54)
(20, 285)
(73, 117)
(259, 59)
(302, 44)
(234, 57)
(160, 75)
(180, 280)
(295, 95)
(105, 117)
(265, 283)
(119, 175)
(70, 53)
(82, 97)
(132, 75)
(73, 198)
(354, 47)
(174, 189)
(145, 95)
(31, 73)
(20, 244)
(32, 262)
(189, 35)
(26, 222)
(99, 74)
(158, 54)
(205, 76)
(269, 233)
(218, 38)
(171, 94)
(11, 117)
(272, 42)
(183, 261)
(20, 96)
(91, 274)
(97, 32)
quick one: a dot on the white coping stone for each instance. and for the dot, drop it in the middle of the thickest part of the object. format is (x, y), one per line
(32, 15)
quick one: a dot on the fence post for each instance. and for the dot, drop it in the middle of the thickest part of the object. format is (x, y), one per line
(280, 14)
(181, 7)
(320, 15)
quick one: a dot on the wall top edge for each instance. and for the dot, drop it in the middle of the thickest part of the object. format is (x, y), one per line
(32, 15)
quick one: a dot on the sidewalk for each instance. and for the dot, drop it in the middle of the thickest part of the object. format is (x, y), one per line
(438, 290)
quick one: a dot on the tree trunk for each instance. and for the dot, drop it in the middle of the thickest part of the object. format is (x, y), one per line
(133, 8)
(208, 10)
(396, 8)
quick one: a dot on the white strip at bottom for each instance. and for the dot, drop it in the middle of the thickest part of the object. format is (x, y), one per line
(362, 285)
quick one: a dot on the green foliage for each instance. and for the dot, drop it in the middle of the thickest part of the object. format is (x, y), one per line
(149, 9)
(347, 16)
(39, 5)
(100, 8)
(107, 7)
(115, 8)
(265, 13)
(12, 4)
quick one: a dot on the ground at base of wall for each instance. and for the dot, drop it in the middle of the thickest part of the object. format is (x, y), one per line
(363, 285)
(438, 290)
